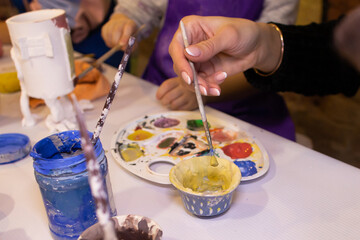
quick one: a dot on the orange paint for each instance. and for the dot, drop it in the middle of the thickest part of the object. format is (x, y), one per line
(220, 135)
(140, 135)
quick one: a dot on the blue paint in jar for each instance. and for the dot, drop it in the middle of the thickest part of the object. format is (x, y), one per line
(60, 170)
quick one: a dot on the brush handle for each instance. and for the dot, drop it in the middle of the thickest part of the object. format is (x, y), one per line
(112, 92)
(198, 94)
(95, 177)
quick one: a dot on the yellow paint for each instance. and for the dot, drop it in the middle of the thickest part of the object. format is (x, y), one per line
(195, 175)
(9, 82)
(131, 152)
(140, 135)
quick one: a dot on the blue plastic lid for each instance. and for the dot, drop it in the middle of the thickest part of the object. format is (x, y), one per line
(13, 147)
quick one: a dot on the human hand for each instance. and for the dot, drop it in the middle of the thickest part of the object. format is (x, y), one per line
(118, 30)
(223, 46)
(35, 5)
(175, 94)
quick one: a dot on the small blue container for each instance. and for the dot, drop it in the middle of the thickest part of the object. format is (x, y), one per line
(60, 170)
(13, 147)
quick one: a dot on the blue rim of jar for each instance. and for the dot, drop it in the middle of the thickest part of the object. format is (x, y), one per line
(56, 166)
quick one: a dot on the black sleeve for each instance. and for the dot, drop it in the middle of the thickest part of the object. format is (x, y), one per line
(310, 65)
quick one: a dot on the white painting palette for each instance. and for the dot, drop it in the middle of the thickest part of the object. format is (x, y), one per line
(148, 147)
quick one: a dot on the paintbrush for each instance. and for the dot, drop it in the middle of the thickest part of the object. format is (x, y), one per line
(103, 58)
(213, 160)
(111, 95)
(95, 178)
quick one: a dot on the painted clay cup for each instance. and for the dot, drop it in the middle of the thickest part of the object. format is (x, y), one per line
(206, 191)
(127, 227)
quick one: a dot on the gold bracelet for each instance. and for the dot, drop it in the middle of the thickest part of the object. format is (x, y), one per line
(281, 56)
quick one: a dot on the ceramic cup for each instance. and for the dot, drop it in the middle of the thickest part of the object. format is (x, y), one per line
(206, 191)
(127, 227)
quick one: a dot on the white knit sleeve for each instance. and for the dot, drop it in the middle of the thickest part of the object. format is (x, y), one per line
(280, 11)
(148, 12)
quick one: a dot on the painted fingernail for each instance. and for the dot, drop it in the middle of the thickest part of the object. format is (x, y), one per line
(193, 51)
(221, 77)
(203, 90)
(214, 92)
(186, 78)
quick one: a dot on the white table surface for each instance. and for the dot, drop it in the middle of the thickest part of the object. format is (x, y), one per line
(304, 195)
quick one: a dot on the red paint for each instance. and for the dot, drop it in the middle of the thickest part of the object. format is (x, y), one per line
(60, 22)
(238, 150)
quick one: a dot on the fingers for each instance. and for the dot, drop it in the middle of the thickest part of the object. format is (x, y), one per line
(180, 63)
(128, 30)
(108, 33)
(176, 95)
(207, 86)
(207, 49)
(168, 92)
(166, 87)
(118, 30)
(203, 51)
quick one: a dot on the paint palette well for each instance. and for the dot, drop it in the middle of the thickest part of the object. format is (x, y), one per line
(150, 146)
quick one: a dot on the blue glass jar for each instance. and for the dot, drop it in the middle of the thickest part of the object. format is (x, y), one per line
(60, 170)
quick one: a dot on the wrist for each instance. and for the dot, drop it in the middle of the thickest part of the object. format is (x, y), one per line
(270, 51)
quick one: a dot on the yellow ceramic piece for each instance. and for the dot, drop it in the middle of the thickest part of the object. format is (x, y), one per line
(9, 82)
(197, 176)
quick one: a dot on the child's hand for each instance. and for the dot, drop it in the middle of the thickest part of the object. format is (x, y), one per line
(118, 30)
(175, 94)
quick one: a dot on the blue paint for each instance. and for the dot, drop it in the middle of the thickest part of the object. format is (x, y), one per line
(13, 147)
(247, 168)
(60, 170)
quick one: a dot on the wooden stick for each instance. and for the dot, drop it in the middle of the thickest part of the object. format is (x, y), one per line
(112, 91)
(96, 179)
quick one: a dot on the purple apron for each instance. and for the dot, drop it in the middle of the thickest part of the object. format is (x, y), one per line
(265, 110)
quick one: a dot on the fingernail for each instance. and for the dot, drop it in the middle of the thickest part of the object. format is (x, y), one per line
(221, 77)
(214, 92)
(203, 90)
(193, 51)
(186, 78)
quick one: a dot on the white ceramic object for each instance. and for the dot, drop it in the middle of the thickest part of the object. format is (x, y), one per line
(43, 56)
